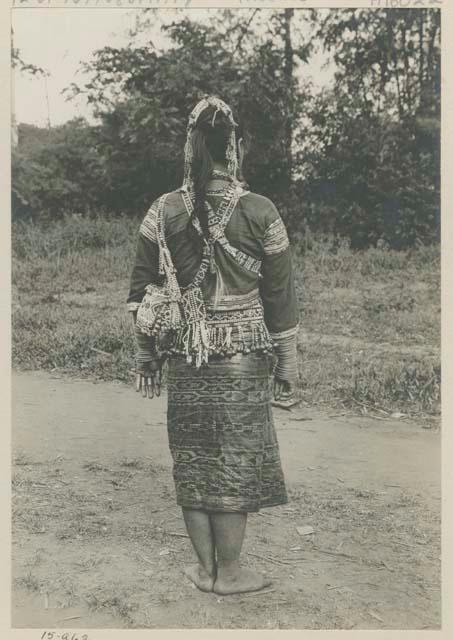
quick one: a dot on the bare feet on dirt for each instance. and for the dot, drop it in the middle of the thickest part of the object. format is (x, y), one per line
(240, 581)
(200, 577)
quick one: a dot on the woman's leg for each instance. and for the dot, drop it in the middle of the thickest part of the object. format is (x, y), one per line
(229, 532)
(198, 527)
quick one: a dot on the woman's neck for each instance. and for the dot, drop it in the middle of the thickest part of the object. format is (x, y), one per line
(219, 166)
(220, 172)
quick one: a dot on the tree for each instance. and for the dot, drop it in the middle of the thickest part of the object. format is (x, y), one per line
(142, 97)
(58, 170)
(376, 172)
(359, 158)
(390, 59)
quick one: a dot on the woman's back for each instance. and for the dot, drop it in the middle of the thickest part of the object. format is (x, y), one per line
(248, 229)
(248, 289)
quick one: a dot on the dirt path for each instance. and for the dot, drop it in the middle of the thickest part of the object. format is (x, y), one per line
(98, 541)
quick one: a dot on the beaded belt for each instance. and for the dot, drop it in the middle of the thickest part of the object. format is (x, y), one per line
(235, 325)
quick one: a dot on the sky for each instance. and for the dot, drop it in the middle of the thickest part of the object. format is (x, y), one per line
(59, 39)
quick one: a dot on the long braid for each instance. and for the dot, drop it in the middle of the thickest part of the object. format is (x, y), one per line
(202, 171)
(209, 142)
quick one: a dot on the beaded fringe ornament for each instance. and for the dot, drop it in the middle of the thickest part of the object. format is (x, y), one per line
(231, 154)
(195, 337)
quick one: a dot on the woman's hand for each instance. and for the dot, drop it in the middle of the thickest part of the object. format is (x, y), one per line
(284, 393)
(149, 379)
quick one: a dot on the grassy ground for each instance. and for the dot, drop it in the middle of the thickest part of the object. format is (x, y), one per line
(370, 330)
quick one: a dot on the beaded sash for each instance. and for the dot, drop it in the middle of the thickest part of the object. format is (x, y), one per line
(217, 223)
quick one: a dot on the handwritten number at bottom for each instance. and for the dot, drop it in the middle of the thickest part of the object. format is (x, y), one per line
(51, 635)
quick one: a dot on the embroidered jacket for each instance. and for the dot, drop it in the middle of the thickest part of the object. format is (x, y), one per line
(250, 295)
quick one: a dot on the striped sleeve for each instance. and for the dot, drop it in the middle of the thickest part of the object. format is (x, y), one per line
(275, 238)
(148, 227)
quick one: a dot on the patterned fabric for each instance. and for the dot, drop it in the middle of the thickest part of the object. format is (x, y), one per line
(221, 435)
(158, 313)
(230, 332)
(236, 301)
(148, 228)
(275, 238)
(241, 258)
(218, 220)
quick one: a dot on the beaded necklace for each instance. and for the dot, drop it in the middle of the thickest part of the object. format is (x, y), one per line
(222, 175)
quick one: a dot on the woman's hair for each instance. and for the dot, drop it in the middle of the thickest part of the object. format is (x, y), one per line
(209, 143)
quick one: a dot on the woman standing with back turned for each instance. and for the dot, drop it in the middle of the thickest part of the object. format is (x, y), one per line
(231, 245)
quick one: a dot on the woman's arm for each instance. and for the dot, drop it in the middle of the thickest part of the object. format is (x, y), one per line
(144, 272)
(278, 293)
(146, 264)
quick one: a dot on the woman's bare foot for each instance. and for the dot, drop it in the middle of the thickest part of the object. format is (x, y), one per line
(239, 581)
(200, 577)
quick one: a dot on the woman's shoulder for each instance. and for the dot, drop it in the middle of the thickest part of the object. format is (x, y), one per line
(259, 207)
(172, 205)
(174, 198)
(267, 219)
(257, 199)
(169, 199)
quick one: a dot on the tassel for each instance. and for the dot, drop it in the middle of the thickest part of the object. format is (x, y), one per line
(185, 343)
(204, 337)
(198, 343)
(161, 262)
(228, 337)
(211, 339)
(254, 337)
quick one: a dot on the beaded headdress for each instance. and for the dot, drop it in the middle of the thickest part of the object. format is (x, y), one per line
(231, 155)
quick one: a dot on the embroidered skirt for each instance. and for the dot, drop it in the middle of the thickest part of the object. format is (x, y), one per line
(222, 436)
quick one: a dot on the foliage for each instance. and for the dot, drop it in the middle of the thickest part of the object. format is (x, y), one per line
(359, 159)
(376, 174)
(58, 170)
(389, 60)
(375, 180)
(17, 62)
